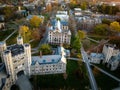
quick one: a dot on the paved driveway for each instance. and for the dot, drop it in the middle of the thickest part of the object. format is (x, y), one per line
(23, 83)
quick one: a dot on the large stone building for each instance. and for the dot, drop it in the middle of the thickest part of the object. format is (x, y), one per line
(17, 60)
(16, 57)
(49, 64)
(58, 32)
(58, 29)
(110, 56)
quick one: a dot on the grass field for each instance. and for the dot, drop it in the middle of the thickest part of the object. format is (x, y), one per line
(4, 34)
(57, 82)
(104, 82)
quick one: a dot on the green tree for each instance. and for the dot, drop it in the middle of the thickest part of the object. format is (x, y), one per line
(8, 12)
(101, 29)
(76, 43)
(115, 26)
(106, 21)
(46, 49)
(35, 21)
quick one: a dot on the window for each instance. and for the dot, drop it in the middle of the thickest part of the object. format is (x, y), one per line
(44, 61)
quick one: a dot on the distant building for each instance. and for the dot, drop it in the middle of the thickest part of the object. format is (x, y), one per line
(77, 12)
(85, 19)
(58, 29)
(58, 32)
(96, 57)
(22, 12)
(63, 15)
(109, 51)
(109, 56)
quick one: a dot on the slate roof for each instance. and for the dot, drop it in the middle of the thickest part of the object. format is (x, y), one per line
(16, 49)
(46, 59)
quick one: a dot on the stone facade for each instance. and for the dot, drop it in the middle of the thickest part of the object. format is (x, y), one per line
(49, 64)
(59, 32)
(17, 58)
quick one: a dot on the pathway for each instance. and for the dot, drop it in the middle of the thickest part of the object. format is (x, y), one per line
(103, 71)
(93, 40)
(90, 74)
(24, 83)
(10, 35)
(43, 41)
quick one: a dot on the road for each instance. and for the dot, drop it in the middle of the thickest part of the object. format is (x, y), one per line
(75, 59)
(113, 77)
(91, 76)
(93, 40)
(23, 83)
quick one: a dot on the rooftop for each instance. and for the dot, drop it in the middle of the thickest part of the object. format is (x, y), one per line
(16, 49)
(111, 45)
(46, 59)
(114, 58)
(97, 55)
(57, 25)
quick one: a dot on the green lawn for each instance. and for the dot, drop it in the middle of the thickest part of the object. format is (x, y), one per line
(97, 37)
(115, 73)
(104, 82)
(35, 43)
(12, 39)
(4, 34)
(57, 82)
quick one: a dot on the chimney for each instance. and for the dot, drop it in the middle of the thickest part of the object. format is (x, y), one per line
(40, 54)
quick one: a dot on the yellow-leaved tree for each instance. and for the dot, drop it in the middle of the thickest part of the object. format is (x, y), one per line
(73, 1)
(115, 26)
(35, 21)
(25, 33)
(81, 34)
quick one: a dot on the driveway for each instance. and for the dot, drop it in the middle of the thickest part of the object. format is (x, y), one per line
(24, 83)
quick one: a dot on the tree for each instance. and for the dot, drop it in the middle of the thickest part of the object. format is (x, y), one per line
(81, 34)
(83, 5)
(49, 7)
(106, 21)
(73, 4)
(46, 49)
(76, 43)
(101, 29)
(118, 20)
(106, 9)
(35, 21)
(115, 26)
(8, 12)
(26, 33)
(36, 34)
